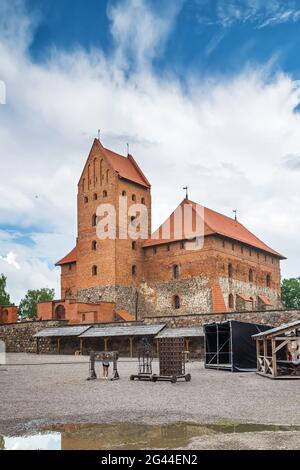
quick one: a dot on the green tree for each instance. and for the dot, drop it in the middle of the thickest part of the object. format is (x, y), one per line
(290, 292)
(28, 305)
(4, 296)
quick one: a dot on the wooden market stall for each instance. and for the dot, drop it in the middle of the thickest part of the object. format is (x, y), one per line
(278, 351)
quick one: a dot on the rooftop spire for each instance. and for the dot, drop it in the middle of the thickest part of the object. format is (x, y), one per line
(186, 188)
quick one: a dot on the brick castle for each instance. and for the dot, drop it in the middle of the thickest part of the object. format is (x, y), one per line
(126, 279)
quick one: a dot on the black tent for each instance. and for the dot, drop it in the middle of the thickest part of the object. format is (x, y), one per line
(229, 345)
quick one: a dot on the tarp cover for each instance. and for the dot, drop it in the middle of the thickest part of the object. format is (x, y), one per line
(229, 345)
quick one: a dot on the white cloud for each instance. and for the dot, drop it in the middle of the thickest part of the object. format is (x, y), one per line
(260, 13)
(228, 140)
(11, 259)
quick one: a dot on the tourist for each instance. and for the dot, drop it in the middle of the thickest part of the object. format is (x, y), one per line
(105, 365)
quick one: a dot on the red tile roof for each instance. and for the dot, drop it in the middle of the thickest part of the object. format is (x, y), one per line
(265, 300)
(125, 315)
(213, 223)
(69, 258)
(126, 167)
(218, 302)
(245, 297)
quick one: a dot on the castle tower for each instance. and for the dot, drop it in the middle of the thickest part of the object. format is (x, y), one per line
(107, 269)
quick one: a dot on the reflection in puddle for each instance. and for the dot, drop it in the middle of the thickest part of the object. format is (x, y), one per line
(126, 436)
(39, 441)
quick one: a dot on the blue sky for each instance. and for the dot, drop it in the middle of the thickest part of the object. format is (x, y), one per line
(205, 92)
(204, 36)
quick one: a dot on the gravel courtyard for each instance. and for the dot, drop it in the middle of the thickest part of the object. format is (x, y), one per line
(53, 390)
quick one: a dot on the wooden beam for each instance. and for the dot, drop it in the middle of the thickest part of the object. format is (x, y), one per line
(265, 353)
(286, 341)
(106, 344)
(274, 358)
(81, 345)
(131, 346)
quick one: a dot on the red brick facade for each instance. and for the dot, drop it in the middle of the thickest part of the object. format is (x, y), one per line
(79, 312)
(233, 271)
(8, 314)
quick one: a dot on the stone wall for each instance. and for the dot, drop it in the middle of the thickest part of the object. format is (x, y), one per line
(269, 317)
(18, 337)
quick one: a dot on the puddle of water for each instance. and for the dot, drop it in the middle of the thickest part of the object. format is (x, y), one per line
(126, 436)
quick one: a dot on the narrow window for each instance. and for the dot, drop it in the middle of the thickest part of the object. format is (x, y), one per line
(133, 245)
(123, 193)
(132, 218)
(83, 317)
(133, 270)
(94, 270)
(268, 280)
(94, 245)
(176, 301)
(143, 200)
(86, 199)
(133, 197)
(250, 275)
(70, 266)
(95, 197)
(175, 271)
(104, 193)
(231, 301)
(230, 270)
(94, 220)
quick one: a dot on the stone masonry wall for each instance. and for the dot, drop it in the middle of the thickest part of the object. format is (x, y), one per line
(269, 317)
(18, 337)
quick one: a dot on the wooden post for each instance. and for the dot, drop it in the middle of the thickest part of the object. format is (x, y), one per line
(38, 345)
(265, 354)
(157, 347)
(81, 345)
(187, 343)
(131, 346)
(274, 360)
(257, 353)
(58, 345)
(105, 344)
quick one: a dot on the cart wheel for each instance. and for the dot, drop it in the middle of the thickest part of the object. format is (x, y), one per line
(188, 377)
(131, 377)
(174, 379)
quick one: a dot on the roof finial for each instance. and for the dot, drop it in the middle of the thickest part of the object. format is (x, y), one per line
(98, 134)
(186, 192)
(127, 149)
(235, 214)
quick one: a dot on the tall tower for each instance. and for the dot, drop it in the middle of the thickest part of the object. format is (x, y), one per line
(110, 269)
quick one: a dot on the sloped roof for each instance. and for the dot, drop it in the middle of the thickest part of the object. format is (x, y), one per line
(119, 330)
(211, 223)
(62, 331)
(126, 167)
(125, 315)
(69, 258)
(265, 300)
(181, 332)
(284, 328)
